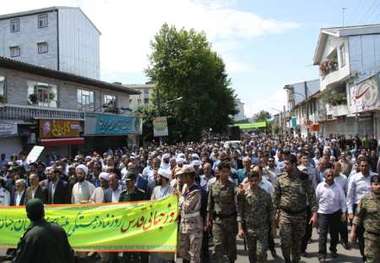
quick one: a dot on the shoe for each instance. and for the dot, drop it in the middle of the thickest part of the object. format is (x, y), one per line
(334, 254)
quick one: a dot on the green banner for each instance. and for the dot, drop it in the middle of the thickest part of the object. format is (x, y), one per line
(131, 226)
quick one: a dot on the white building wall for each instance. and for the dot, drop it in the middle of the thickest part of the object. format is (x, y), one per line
(27, 39)
(78, 44)
(364, 54)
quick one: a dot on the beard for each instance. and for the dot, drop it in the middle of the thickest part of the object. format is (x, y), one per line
(80, 179)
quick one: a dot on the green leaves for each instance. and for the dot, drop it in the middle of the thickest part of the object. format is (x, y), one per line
(182, 64)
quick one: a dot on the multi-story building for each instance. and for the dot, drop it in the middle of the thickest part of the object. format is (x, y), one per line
(144, 98)
(59, 38)
(304, 106)
(62, 111)
(240, 110)
(347, 58)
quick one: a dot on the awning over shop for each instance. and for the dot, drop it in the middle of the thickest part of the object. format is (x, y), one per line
(252, 125)
(62, 141)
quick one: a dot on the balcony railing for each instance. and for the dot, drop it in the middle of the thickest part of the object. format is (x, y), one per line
(28, 113)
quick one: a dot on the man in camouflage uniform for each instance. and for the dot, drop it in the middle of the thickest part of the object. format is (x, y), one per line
(132, 193)
(191, 226)
(369, 216)
(292, 193)
(256, 210)
(222, 214)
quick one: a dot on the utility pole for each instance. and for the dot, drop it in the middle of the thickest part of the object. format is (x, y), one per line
(343, 13)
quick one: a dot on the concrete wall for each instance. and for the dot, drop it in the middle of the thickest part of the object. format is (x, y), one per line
(27, 39)
(78, 44)
(16, 90)
(364, 54)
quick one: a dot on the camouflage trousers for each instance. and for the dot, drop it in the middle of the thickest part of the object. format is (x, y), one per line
(372, 250)
(257, 246)
(292, 231)
(191, 246)
(224, 238)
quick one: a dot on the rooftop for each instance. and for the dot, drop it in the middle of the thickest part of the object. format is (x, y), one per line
(46, 72)
(341, 32)
(44, 10)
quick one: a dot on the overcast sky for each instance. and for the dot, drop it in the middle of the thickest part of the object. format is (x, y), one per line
(265, 44)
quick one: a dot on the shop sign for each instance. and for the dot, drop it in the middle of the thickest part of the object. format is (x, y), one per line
(111, 125)
(59, 128)
(364, 96)
(160, 127)
(8, 129)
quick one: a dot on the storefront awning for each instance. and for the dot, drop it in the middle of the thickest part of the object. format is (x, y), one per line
(62, 141)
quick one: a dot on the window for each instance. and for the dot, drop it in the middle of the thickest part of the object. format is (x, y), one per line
(42, 20)
(85, 100)
(2, 89)
(42, 47)
(109, 99)
(15, 25)
(42, 94)
(342, 52)
(138, 101)
(146, 101)
(14, 51)
(146, 92)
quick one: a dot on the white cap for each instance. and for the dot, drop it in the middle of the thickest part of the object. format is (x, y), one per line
(195, 156)
(83, 168)
(166, 156)
(104, 176)
(196, 163)
(165, 173)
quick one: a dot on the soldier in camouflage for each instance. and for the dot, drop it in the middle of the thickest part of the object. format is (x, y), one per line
(222, 214)
(191, 226)
(369, 217)
(293, 191)
(256, 210)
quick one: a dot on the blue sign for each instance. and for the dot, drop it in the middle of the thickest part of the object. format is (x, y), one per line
(111, 125)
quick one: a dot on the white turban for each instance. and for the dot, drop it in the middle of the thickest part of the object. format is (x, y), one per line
(83, 168)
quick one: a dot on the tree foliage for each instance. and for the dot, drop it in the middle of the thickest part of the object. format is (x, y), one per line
(182, 64)
(262, 116)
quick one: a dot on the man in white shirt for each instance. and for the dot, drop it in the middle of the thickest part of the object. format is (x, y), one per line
(331, 210)
(5, 199)
(112, 194)
(358, 186)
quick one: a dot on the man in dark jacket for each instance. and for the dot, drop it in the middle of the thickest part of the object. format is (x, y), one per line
(43, 242)
(35, 190)
(58, 189)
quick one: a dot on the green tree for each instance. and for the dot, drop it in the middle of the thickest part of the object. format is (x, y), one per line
(262, 116)
(182, 64)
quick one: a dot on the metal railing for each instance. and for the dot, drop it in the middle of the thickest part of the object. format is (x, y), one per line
(27, 113)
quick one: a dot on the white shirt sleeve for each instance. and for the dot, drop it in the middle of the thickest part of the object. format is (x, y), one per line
(351, 195)
(342, 199)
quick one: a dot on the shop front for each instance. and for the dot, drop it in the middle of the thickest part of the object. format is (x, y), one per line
(60, 137)
(10, 142)
(104, 131)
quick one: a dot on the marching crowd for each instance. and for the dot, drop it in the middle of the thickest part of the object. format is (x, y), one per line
(248, 190)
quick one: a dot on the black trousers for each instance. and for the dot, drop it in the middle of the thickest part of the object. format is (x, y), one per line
(205, 256)
(360, 236)
(343, 232)
(308, 231)
(329, 223)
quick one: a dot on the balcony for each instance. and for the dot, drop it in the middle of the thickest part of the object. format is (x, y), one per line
(338, 110)
(29, 113)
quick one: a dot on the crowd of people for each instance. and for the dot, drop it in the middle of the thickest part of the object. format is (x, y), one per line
(245, 190)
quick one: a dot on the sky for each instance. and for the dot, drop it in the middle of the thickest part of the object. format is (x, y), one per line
(264, 44)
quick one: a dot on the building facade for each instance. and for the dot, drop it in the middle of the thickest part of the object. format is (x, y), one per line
(144, 98)
(61, 111)
(58, 38)
(240, 115)
(347, 57)
(304, 107)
